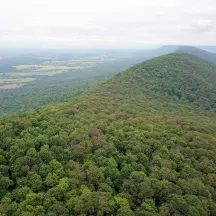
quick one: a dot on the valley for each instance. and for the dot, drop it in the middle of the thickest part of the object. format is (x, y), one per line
(41, 78)
(21, 69)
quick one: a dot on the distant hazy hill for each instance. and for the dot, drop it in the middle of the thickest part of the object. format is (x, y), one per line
(203, 54)
(211, 49)
(211, 57)
(142, 143)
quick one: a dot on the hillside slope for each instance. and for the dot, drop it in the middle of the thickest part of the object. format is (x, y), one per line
(135, 145)
(187, 77)
(198, 52)
(205, 55)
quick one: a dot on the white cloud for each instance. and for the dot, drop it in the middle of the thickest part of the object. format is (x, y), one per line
(102, 23)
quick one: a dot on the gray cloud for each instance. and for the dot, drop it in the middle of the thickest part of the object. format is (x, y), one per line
(106, 23)
(200, 27)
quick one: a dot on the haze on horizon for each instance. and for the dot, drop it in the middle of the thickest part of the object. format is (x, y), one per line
(113, 23)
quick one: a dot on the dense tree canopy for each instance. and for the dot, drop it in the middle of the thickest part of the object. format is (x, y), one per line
(129, 147)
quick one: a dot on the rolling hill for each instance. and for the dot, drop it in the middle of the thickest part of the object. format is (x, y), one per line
(58, 88)
(141, 143)
(209, 48)
(201, 53)
(205, 55)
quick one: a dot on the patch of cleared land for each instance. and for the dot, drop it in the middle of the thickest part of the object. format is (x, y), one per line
(11, 83)
(32, 73)
(21, 67)
(10, 86)
(15, 81)
(37, 68)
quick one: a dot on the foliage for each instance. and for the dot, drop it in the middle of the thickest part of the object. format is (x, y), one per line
(126, 147)
(43, 91)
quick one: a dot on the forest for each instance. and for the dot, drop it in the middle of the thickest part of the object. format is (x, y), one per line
(141, 143)
(47, 77)
(55, 76)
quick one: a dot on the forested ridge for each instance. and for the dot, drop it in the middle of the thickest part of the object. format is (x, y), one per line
(143, 143)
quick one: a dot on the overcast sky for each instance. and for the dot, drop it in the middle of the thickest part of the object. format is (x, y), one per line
(106, 23)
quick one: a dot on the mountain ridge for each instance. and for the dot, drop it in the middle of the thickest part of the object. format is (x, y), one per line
(127, 147)
(192, 50)
(182, 64)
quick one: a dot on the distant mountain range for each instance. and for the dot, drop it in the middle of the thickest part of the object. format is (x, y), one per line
(211, 49)
(203, 54)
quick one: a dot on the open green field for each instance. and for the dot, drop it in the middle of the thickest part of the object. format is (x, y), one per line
(10, 83)
(20, 70)
(45, 67)
(16, 81)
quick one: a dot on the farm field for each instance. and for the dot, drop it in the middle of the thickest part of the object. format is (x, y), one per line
(30, 80)
(10, 86)
(17, 71)
(31, 73)
(17, 81)
(11, 83)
